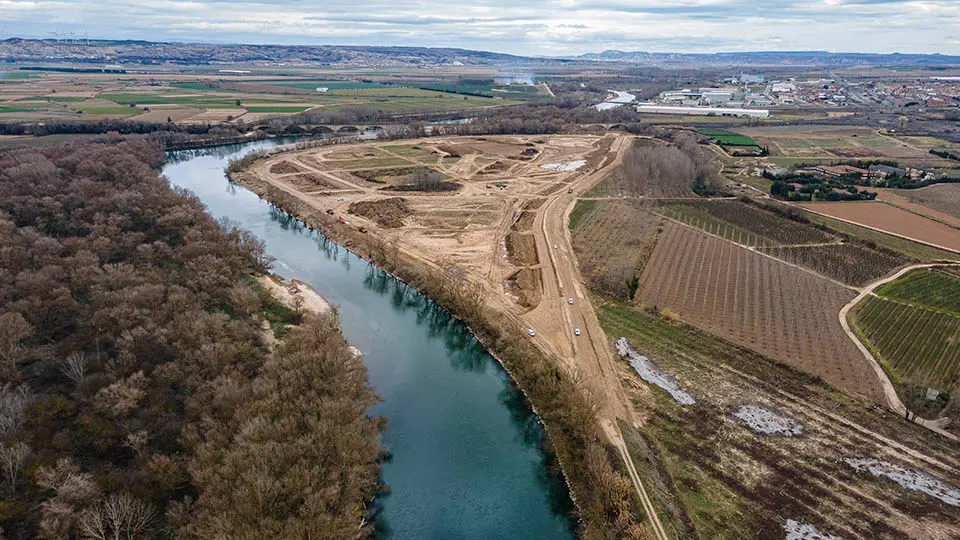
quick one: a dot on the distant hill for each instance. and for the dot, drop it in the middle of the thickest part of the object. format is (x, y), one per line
(773, 58)
(144, 52)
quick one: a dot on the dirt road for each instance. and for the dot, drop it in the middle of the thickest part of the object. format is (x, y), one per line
(889, 392)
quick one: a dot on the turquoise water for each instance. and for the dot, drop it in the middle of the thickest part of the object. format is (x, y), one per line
(466, 455)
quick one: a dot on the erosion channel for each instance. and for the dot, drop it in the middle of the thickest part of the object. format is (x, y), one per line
(466, 449)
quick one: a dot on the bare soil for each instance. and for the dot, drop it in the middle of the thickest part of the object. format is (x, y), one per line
(387, 213)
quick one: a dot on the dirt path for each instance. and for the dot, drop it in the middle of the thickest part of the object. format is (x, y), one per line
(889, 392)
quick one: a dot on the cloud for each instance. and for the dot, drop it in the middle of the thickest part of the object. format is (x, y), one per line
(544, 27)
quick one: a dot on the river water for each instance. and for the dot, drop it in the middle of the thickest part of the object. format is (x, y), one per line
(467, 461)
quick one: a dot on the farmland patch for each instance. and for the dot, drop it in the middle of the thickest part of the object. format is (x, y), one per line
(908, 478)
(759, 302)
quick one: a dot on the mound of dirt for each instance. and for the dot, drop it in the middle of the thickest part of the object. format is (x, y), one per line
(525, 284)
(387, 213)
(522, 249)
(525, 222)
(284, 167)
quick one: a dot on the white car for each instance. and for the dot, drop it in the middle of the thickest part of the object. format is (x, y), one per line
(555, 246)
(576, 331)
(570, 300)
(531, 331)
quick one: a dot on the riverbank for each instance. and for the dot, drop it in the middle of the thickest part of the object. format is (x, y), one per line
(601, 493)
(295, 294)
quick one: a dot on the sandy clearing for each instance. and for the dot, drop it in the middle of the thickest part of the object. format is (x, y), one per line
(888, 218)
(287, 293)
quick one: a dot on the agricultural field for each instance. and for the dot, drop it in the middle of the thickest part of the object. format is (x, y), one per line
(912, 325)
(756, 301)
(937, 289)
(65, 95)
(919, 346)
(825, 143)
(890, 219)
(612, 240)
(940, 197)
(850, 264)
(743, 223)
(712, 476)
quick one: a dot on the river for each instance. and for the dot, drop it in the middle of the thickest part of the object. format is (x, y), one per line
(466, 453)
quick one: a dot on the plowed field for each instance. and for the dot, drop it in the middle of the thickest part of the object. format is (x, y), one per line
(757, 301)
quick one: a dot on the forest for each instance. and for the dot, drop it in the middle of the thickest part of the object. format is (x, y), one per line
(149, 387)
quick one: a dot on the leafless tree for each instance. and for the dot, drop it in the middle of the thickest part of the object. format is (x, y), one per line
(13, 401)
(12, 459)
(118, 517)
(426, 179)
(75, 366)
(13, 329)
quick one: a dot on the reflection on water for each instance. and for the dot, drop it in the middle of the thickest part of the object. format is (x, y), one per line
(466, 449)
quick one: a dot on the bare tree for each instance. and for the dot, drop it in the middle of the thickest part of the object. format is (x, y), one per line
(13, 329)
(13, 402)
(426, 179)
(118, 517)
(75, 366)
(12, 459)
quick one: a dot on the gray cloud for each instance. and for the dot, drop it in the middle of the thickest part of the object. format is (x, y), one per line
(541, 27)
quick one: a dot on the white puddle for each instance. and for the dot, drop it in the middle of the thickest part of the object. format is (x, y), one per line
(798, 530)
(767, 421)
(565, 167)
(648, 371)
(908, 478)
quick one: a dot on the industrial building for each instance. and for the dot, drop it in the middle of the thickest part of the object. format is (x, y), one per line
(703, 111)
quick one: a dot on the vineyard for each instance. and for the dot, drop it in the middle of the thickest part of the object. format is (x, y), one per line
(921, 345)
(756, 301)
(848, 263)
(612, 240)
(937, 289)
(743, 223)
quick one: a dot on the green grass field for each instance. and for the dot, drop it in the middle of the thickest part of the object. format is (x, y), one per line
(727, 138)
(927, 288)
(581, 210)
(918, 346)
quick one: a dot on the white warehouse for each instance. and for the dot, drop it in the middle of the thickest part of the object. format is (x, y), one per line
(703, 111)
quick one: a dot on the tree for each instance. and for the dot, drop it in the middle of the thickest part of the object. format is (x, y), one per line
(426, 179)
(118, 517)
(12, 459)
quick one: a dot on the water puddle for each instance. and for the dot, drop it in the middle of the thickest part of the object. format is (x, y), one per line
(648, 371)
(908, 478)
(767, 421)
(798, 530)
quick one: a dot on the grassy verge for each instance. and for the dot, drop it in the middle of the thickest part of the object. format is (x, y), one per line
(580, 211)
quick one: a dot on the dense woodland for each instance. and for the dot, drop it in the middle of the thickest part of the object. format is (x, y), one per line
(140, 395)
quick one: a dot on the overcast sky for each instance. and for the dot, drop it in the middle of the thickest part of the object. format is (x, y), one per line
(552, 27)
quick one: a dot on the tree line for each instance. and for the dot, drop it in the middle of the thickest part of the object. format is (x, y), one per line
(140, 393)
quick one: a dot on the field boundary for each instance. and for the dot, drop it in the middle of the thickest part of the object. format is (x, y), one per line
(865, 226)
(893, 399)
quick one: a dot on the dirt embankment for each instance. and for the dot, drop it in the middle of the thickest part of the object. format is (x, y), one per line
(522, 249)
(285, 167)
(526, 285)
(387, 213)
